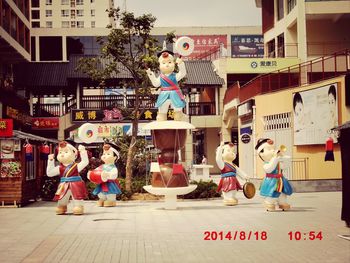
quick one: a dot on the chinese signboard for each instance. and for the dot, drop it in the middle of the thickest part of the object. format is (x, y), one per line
(18, 115)
(50, 123)
(247, 46)
(6, 127)
(207, 44)
(114, 115)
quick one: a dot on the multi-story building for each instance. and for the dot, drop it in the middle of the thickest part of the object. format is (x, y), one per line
(304, 28)
(317, 33)
(62, 27)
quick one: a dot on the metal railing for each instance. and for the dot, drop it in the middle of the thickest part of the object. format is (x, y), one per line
(305, 73)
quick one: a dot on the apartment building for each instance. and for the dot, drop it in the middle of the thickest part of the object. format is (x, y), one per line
(304, 28)
(59, 26)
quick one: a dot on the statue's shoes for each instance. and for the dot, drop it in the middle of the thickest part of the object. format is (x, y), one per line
(100, 203)
(78, 210)
(270, 207)
(231, 202)
(61, 210)
(284, 207)
(109, 203)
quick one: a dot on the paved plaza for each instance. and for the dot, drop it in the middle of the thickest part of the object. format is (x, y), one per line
(139, 231)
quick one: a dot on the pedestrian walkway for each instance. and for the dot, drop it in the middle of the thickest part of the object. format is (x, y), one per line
(144, 232)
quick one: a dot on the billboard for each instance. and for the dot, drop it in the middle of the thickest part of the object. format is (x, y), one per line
(315, 111)
(247, 46)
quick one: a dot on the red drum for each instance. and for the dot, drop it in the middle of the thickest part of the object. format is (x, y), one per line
(95, 176)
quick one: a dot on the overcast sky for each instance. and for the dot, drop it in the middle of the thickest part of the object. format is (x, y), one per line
(198, 12)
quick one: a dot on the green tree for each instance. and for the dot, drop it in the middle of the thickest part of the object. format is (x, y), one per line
(128, 44)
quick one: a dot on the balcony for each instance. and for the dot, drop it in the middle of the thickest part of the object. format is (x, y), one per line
(118, 101)
(305, 73)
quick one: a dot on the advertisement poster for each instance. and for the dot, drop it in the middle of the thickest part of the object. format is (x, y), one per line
(247, 46)
(7, 149)
(315, 112)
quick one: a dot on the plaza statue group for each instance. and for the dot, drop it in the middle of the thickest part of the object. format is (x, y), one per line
(274, 187)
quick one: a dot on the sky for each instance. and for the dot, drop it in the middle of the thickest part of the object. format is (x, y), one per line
(197, 12)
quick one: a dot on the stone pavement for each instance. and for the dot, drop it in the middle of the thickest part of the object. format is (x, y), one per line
(144, 232)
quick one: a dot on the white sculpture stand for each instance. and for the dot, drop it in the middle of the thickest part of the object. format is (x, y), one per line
(170, 194)
(201, 172)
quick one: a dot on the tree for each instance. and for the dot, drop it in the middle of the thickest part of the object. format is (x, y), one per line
(132, 46)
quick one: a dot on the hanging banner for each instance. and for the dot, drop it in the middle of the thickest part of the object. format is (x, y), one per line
(6, 127)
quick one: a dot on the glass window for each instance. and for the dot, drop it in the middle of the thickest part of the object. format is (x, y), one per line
(80, 2)
(35, 24)
(64, 2)
(35, 3)
(80, 24)
(80, 12)
(48, 13)
(291, 5)
(48, 2)
(92, 12)
(92, 24)
(49, 24)
(72, 14)
(65, 13)
(280, 9)
(50, 48)
(35, 14)
(65, 24)
(72, 24)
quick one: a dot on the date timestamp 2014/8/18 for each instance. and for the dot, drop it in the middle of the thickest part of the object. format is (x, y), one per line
(309, 235)
(235, 235)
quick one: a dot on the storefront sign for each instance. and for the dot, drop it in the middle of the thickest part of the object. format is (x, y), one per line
(245, 138)
(247, 46)
(110, 130)
(245, 108)
(7, 149)
(207, 44)
(6, 127)
(18, 115)
(114, 115)
(49, 123)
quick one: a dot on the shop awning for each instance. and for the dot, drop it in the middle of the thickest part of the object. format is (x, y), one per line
(24, 135)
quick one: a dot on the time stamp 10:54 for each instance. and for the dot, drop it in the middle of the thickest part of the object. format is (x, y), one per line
(259, 235)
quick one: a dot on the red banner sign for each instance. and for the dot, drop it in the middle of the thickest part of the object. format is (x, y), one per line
(6, 127)
(49, 123)
(205, 45)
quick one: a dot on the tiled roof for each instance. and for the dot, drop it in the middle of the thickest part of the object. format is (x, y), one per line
(201, 72)
(56, 74)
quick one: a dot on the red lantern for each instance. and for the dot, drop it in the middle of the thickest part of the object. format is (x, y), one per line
(329, 150)
(28, 149)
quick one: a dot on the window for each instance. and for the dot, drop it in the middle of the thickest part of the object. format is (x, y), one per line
(92, 1)
(35, 3)
(291, 4)
(72, 24)
(92, 24)
(65, 13)
(280, 9)
(35, 24)
(92, 12)
(65, 24)
(80, 12)
(49, 24)
(35, 14)
(64, 2)
(48, 2)
(80, 2)
(80, 24)
(50, 48)
(72, 3)
(48, 13)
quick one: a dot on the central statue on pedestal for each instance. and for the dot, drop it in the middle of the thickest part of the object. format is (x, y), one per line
(170, 93)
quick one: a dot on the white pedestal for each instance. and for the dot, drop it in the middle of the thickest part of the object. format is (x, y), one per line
(201, 172)
(170, 193)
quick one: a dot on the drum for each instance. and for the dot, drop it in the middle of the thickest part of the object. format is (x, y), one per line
(249, 190)
(95, 176)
